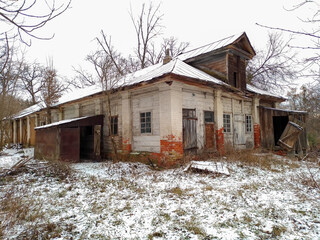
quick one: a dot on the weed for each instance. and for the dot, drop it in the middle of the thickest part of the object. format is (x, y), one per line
(193, 226)
(177, 191)
(278, 230)
(155, 234)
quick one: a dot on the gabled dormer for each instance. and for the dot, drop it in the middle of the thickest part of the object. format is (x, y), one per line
(225, 59)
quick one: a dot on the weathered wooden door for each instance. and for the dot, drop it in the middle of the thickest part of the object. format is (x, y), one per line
(189, 129)
(209, 130)
(239, 129)
(70, 144)
(210, 136)
(32, 131)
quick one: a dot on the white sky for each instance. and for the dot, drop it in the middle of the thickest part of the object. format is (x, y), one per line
(198, 22)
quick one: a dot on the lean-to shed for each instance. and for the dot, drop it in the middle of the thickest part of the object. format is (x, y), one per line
(70, 140)
(274, 122)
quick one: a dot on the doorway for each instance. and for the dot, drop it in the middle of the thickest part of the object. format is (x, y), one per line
(279, 124)
(189, 123)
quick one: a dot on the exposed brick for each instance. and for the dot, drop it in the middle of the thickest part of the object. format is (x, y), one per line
(257, 135)
(220, 141)
(171, 151)
(126, 146)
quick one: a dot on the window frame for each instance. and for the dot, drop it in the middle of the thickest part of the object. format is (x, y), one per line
(112, 125)
(143, 130)
(204, 116)
(225, 129)
(247, 124)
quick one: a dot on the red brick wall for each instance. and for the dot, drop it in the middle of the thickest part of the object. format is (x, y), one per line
(171, 149)
(257, 138)
(220, 141)
(126, 146)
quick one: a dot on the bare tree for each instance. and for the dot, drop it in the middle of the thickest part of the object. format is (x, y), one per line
(9, 74)
(19, 19)
(310, 34)
(172, 44)
(52, 88)
(307, 98)
(273, 67)
(148, 27)
(31, 80)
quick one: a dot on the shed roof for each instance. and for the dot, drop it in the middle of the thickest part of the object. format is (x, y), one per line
(94, 120)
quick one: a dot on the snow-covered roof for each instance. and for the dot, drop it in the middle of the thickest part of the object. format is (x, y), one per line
(78, 94)
(60, 122)
(256, 90)
(175, 66)
(209, 47)
(32, 109)
(285, 110)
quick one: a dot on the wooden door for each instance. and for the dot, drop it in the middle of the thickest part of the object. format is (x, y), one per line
(210, 136)
(239, 129)
(32, 131)
(189, 129)
(70, 144)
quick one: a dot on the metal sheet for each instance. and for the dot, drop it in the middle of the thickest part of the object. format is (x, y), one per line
(70, 144)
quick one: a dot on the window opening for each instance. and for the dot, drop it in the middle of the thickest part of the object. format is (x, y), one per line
(145, 122)
(227, 123)
(248, 123)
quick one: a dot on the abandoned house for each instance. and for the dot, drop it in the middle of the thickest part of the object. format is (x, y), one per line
(196, 102)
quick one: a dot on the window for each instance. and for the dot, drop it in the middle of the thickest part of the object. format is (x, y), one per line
(208, 117)
(114, 125)
(227, 123)
(145, 122)
(248, 123)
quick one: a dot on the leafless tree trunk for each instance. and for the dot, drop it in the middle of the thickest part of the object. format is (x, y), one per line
(9, 74)
(52, 88)
(148, 27)
(31, 80)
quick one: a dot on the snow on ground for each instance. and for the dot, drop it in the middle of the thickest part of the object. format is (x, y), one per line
(132, 201)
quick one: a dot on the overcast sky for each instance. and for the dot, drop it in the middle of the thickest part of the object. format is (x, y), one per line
(198, 22)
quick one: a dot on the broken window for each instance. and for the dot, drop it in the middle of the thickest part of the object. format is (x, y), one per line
(248, 123)
(114, 125)
(145, 122)
(227, 123)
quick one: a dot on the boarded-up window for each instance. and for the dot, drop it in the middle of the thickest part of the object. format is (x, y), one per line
(248, 123)
(145, 122)
(227, 123)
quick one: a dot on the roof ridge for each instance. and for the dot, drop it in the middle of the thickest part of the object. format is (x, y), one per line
(220, 40)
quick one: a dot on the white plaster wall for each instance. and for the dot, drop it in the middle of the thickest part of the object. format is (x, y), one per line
(201, 100)
(235, 106)
(146, 100)
(87, 108)
(69, 112)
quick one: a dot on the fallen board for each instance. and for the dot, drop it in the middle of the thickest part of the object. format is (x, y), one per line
(207, 166)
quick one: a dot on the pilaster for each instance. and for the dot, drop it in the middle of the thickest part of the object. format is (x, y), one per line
(171, 143)
(218, 118)
(126, 121)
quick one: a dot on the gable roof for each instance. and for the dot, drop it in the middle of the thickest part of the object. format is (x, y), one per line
(238, 40)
